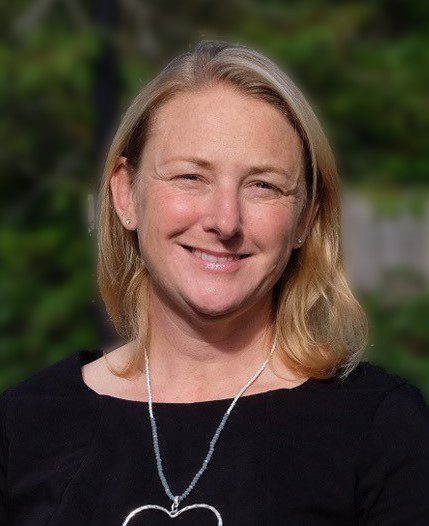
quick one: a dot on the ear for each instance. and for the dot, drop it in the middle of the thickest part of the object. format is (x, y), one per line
(123, 193)
(305, 224)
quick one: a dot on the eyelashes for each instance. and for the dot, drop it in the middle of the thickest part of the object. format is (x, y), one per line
(187, 176)
(264, 185)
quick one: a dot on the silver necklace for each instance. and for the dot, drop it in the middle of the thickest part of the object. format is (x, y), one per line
(175, 512)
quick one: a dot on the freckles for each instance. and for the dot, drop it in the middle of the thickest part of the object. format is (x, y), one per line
(164, 202)
(181, 210)
(272, 224)
(175, 213)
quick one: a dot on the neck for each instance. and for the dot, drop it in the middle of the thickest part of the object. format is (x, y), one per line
(201, 358)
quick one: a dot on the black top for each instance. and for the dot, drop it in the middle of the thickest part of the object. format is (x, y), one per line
(323, 453)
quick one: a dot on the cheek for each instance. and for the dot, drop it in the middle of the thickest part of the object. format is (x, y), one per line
(166, 212)
(273, 228)
(176, 214)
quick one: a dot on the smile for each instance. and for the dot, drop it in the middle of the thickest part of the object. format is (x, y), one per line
(210, 257)
(216, 263)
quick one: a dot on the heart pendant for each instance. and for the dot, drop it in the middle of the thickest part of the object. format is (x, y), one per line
(173, 514)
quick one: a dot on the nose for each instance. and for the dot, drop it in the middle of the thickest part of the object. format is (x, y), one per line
(222, 213)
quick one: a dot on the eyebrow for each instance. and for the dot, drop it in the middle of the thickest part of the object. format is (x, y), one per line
(253, 170)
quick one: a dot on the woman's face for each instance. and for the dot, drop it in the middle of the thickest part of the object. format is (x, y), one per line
(220, 172)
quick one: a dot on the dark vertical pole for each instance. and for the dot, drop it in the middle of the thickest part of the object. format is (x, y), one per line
(106, 92)
(106, 73)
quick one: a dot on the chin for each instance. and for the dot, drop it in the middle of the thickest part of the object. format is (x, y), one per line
(211, 308)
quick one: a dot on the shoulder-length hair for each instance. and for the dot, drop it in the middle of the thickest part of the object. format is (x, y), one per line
(319, 326)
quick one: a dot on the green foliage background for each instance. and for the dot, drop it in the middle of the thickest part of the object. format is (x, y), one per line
(363, 66)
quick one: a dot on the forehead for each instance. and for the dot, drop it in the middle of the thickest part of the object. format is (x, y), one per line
(223, 125)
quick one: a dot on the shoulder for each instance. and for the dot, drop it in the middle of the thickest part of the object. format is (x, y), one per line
(47, 425)
(390, 390)
(393, 468)
(367, 393)
(398, 414)
(58, 379)
(51, 400)
(367, 381)
(370, 376)
(48, 409)
(403, 412)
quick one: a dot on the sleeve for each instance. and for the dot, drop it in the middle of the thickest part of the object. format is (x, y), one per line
(393, 477)
(3, 460)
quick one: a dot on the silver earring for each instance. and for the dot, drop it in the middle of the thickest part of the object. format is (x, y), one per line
(127, 221)
(299, 240)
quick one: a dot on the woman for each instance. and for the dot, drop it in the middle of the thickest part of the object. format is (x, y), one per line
(241, 396)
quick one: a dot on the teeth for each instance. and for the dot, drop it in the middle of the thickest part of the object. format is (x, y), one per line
(209, 257)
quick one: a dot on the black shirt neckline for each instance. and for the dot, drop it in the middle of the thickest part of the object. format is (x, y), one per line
(83, 357)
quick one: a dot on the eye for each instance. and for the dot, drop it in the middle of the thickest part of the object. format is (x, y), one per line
(266, 186)
(189, 177)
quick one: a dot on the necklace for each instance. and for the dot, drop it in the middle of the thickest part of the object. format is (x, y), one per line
(175, 512)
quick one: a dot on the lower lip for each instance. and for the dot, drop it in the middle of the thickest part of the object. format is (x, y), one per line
(217, 266)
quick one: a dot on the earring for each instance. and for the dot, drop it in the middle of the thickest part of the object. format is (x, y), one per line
(127, 221)
(299, 240)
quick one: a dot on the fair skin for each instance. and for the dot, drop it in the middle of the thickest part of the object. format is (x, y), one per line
(210, 326)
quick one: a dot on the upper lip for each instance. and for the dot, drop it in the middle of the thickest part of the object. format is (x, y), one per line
(213, 253)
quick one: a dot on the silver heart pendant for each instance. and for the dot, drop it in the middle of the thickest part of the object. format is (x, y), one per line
(173, 514)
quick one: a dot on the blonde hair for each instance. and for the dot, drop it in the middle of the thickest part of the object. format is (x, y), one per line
(319, 325)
